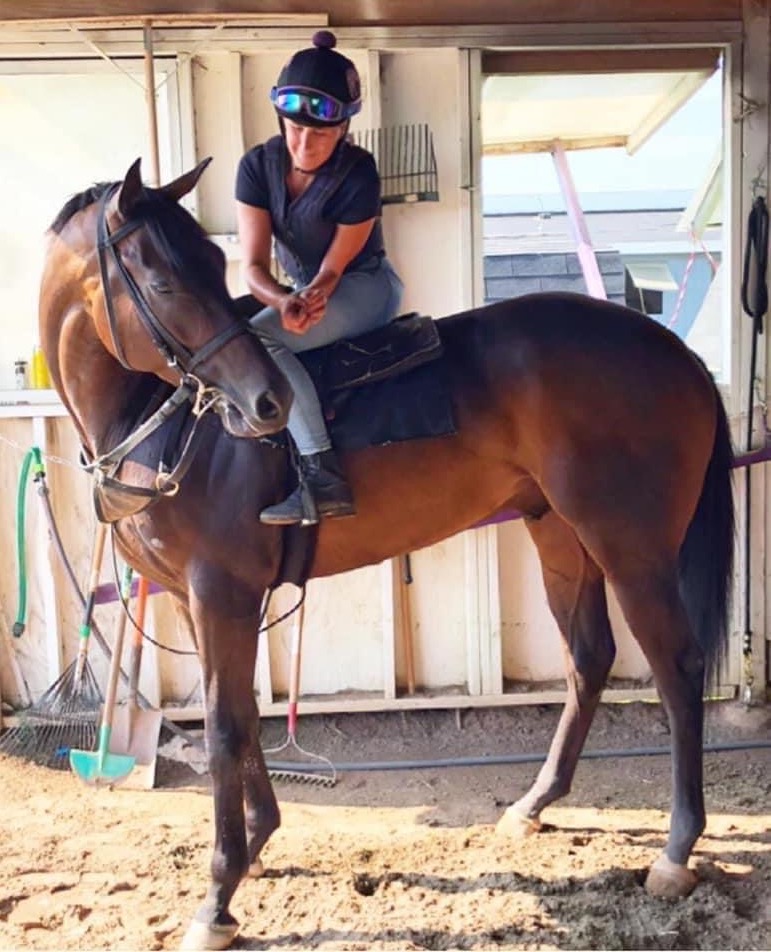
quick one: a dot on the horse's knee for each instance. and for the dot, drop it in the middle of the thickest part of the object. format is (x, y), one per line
(226, 744)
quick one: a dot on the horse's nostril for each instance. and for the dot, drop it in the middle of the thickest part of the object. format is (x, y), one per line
(268, 407)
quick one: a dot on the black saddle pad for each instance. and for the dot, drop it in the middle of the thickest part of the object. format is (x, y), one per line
(387, 385)
(384, 386)
(414, 405)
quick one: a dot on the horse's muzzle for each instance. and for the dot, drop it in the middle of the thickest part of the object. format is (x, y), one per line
(270, 414)
(271, 409)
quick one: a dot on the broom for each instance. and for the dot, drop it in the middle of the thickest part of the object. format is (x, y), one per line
(301, 766)
(67, 714)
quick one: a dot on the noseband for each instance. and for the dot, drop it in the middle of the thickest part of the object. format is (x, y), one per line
(176, 354)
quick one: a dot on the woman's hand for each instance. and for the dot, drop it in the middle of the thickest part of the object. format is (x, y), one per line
(303, 309)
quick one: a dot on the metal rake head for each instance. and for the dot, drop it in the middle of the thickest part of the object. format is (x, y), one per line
(308, 768)
(65, 716)
(299, 776)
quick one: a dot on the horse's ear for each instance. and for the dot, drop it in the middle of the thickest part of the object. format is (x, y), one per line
(130, 190)
(185, 183)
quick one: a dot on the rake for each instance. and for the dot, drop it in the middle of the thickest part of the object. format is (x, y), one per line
(297, 765)
(67, 714)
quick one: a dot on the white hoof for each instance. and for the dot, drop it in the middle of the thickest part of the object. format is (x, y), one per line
(256, 869)
(516, 825)
(669, 880)
(202, 937)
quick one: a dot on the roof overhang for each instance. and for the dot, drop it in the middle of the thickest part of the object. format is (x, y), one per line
(584, 100)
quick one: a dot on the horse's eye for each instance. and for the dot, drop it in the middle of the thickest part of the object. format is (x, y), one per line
(160, 287)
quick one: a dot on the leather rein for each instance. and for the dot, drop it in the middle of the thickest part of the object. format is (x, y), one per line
(179, 357)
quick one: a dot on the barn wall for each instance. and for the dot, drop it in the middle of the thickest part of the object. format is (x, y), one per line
(477, 606)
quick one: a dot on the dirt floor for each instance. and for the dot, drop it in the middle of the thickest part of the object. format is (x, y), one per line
(404, 859)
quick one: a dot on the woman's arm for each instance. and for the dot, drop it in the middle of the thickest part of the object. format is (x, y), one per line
(347, 243)
(255, 232)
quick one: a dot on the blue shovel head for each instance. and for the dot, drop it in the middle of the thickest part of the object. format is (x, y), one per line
(100, 767)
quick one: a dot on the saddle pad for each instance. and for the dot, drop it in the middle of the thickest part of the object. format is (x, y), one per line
(380, 387)
(414, 405)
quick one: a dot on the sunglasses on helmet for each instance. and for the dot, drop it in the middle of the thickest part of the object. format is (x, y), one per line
(300, 100)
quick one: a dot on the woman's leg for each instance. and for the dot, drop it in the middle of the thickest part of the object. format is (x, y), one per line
(362, 301)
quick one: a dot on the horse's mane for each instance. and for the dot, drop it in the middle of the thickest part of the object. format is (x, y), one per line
(78, 202)
(177, 237)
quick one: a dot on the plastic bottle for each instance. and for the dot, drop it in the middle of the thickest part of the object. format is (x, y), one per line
(40, 377)
(20, 374)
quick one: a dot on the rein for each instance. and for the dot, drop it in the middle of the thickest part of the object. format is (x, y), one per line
(177, 355)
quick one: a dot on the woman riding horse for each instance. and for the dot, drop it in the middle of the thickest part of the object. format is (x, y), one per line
(319, 197)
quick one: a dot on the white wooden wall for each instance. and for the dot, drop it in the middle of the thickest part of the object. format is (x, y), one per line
(481, 626)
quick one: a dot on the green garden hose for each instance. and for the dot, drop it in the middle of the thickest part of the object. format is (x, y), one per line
(34, 461)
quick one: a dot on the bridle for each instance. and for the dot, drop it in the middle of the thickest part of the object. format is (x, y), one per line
(177, 355)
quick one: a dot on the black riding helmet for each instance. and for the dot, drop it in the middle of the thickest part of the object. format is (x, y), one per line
(318, 86)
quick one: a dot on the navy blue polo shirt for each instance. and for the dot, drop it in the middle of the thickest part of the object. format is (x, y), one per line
(344, 191)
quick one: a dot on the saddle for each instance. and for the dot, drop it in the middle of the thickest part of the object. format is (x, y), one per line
(378, 388)
(408, 342)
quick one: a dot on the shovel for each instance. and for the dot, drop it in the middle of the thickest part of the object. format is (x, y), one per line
(102, 766)
(136, 731)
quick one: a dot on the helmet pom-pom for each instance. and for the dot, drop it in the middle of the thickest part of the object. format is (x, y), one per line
(324, 40)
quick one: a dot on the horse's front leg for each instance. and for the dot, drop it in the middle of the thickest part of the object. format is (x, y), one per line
(262, 812)
(227, 644)
(576, 593)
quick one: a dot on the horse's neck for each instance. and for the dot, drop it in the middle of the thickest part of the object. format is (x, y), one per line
(106, 400)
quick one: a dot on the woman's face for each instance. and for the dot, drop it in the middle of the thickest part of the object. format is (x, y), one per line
(309, 146)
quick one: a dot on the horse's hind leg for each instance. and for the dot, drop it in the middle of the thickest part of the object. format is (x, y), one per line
(576, 593)
(656, 615)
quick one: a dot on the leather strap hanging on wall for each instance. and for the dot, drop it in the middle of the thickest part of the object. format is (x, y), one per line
(755, 304)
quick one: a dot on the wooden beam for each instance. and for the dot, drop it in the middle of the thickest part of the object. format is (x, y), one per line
(546, 145)
(31, 41)
(519, 62)
(389, 12)
(350, 704)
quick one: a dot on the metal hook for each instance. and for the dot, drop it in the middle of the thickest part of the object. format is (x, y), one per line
(166, 486)
(757, 184)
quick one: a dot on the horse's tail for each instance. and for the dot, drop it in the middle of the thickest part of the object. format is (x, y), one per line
(707, 554)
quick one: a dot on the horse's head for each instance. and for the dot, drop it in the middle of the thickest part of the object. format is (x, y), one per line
(166, 308)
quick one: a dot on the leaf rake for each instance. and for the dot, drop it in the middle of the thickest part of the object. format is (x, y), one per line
(303, 766)
(67, 714)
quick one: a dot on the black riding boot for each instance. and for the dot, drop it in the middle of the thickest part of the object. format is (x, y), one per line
(325, 482)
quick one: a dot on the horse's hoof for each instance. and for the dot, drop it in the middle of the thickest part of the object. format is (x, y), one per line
(669, 880)
(516, 825)
(256, 869)
(206, 937)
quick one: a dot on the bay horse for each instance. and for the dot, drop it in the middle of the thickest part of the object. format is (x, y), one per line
(596, 423)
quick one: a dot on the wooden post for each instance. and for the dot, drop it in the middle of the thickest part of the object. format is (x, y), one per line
(152, 112)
